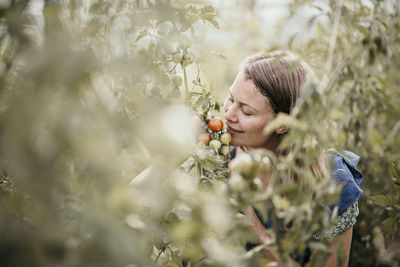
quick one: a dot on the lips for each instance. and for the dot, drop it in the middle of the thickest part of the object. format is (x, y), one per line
(232, 130)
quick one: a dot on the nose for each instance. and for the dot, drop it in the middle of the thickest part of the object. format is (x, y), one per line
(230, 112)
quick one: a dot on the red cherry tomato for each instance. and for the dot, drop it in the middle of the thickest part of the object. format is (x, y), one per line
(216, 125)
(205, 138)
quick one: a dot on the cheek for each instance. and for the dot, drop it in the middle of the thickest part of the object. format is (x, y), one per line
(256, 126)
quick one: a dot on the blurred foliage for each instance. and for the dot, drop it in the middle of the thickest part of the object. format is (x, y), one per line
(356, 43)
(94, 93)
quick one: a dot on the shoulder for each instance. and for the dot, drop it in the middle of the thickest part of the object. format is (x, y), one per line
(347, 176)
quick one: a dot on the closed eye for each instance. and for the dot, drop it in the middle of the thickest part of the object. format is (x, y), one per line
(244, 112)
(242, 106)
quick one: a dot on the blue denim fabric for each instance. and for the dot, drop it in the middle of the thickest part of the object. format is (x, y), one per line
(348, 177)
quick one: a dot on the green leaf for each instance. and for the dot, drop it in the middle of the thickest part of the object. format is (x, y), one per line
(389, 227)
(141, 35)
(213, 22)
(384, 201)
(394, 174)
(209, 9)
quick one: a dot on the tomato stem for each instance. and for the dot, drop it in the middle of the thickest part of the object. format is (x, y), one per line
(186, 94)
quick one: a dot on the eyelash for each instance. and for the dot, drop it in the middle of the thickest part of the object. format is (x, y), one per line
(245, 113)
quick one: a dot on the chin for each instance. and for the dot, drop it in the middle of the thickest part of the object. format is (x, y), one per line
(239, 143)
(234, 143)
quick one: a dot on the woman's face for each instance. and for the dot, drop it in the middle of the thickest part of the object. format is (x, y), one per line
(247, 112)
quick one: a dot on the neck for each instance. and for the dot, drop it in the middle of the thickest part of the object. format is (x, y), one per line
(272, 143)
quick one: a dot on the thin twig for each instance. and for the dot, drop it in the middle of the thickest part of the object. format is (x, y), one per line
(159, 254)
(186, 95)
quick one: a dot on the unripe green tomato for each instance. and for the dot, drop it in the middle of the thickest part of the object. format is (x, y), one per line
(177, 57)
(177, 80)
(243, 163)
(225, 138)
(237, 183)
(225, 150)
(215, 144)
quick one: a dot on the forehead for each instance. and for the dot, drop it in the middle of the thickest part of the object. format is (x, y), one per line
(246, 92)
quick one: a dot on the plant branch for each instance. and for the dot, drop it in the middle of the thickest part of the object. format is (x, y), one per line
(186, 94)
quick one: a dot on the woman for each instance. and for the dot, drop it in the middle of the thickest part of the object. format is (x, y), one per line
(269, 84)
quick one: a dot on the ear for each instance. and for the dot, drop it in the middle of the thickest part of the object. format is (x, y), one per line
(281, 130)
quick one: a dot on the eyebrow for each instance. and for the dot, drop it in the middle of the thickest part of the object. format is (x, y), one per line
(244, 104)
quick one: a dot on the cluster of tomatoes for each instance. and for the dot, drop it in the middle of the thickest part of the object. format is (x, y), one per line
(216, 137)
